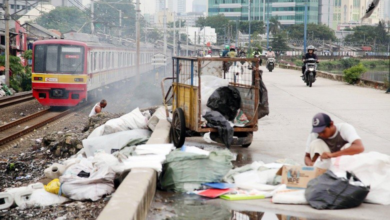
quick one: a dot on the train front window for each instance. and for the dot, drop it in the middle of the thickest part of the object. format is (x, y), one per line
(53, 58)
(71, 59)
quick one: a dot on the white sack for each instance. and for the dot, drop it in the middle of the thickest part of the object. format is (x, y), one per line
(99, 183)
(195, 150)
(113, 126)
(102, 158)
(135, 120)
(372, 169)
(145, 161)
(41, 198)
(99, 131)
(156, 117)
(208, 85)
(112, 142)
(163, 149)
(290, 197)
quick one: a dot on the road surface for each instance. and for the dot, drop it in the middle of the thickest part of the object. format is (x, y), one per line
(284, 132)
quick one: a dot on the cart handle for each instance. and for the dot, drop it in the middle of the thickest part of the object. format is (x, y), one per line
(165, 95)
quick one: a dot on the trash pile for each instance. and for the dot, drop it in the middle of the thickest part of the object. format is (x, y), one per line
(93, 166)
(4, 90)
(221, 106)
(346, 182)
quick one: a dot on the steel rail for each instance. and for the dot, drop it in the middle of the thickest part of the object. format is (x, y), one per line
(12, 100)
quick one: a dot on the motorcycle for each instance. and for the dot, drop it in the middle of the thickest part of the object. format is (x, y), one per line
(310, 72)
(270, 64)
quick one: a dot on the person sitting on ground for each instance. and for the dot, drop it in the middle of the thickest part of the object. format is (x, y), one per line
(98, 108)
(329, 140)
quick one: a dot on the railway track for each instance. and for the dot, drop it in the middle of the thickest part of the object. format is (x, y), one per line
(12, 100)
(18, 128)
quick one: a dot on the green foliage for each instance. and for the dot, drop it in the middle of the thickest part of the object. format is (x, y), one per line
(369, 34)
(65, 19)
(274, 25)
(353, 74)
(27, 54)
(243, 27)
(316, 31)
(279, 42)
(348, 63)
(183, 24)
(19, 81)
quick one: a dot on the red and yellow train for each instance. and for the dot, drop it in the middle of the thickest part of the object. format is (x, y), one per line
(65, 71)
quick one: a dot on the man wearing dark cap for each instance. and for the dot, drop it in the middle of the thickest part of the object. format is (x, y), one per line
(329, 140)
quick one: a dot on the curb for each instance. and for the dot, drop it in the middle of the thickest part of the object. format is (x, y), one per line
(337, 77)
(134, 196)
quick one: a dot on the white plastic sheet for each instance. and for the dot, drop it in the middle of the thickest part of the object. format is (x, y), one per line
(162, 149)
(372, 169)
(113, 142)
(145, 161)
(41, 197)
(290, 197)
(97, 132)
(99, 183)
(135, 120)
(195, 150)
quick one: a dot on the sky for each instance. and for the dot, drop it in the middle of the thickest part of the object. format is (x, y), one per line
(148, 6)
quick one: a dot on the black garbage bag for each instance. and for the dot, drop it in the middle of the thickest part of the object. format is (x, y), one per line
(263, 109)
(217, 120)
(226, 100)
(331, 192)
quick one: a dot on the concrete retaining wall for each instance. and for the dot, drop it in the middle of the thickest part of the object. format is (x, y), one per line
(132, 200)
(338, 77)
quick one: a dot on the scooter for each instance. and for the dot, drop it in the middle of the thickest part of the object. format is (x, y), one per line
(270, 64)
(310, 72)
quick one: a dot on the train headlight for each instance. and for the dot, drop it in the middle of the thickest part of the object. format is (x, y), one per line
(38, 78)
(79, 79)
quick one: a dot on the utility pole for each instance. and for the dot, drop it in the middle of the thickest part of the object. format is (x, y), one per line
(6, 7)
(178, 51)
(174, 34)
(187, 41)
(249, 19)
(138, 32)
(165, 31)
(305, 29)
(237, 32)
(120, 25)
(267, 24)
(92, 21)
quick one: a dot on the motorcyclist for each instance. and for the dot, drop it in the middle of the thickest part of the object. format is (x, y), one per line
(270, 54)
(232, 53)
(226, 51)
(310, 54)
(256, 54)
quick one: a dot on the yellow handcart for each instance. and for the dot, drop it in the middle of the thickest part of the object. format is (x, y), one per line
(184, 100)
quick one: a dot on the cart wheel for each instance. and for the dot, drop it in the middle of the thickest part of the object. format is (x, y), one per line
(178, 128)
(249, 139)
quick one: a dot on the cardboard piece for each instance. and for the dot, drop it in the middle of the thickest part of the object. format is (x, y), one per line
(297, 177)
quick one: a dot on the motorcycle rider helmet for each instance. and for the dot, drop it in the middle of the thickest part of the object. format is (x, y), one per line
(311, 47)
(227, 47)
(269, 48)
(232, 48)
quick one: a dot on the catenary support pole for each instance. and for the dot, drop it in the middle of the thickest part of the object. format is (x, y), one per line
(92, 21)
(267, 23)
(305, 29)
(138, 38)
(6, 7)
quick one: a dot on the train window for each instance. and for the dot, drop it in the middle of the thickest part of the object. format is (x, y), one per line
(71, 59)
(108, 61)
(52, 58)
(95, 54)
(39, 57)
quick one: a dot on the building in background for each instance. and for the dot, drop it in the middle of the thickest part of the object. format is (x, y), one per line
(346, 11)
(159, 17)
(290, 12)
(149, 18)
(177, 6)
(325, 12)
(200, 36)
(384, 10)
(160, 5)
(34, 13)
(190, 18)
(199, 6)
(21, 7)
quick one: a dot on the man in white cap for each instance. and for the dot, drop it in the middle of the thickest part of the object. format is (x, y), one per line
(329, 140)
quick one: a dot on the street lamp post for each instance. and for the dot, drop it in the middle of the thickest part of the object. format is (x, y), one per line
(249, 18)
(267, 23)
(305, 31)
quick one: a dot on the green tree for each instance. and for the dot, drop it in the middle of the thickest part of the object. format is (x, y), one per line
(219, 22)
(256, 26)
(154, 35)
(274, 25)
(369, 34)
(279, 42)
(183, 24)
(16, 71)
(65, 19)
(107, 20)
(316, 31)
